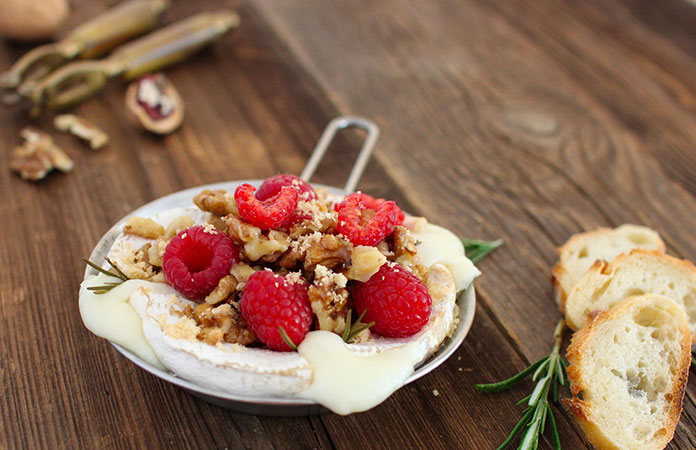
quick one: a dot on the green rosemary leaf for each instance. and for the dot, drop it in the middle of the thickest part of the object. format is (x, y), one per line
(538, 390)
(286, 338)
(357, 330)
(98, 269)
(523, 401)
(106, 287)
(346, 331)
(476, 250)
(121, 275)
(515, 431)
(507, 384)
(554, 430)
(540, 369)
(551, 373)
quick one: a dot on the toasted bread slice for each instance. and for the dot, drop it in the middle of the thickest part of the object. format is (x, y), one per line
(631, 365)
(638, 272)
(583, 249)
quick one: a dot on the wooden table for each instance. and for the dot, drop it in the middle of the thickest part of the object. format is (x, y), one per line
(528, 121)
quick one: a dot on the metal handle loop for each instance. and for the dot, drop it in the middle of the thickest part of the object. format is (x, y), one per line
(327, 137)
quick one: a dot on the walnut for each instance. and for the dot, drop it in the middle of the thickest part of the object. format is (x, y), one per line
(217, 222)
(38, 155)
(383, 247)
(331, 251)
(329, 299)
(177, 225)
(155, 252)
(155, 103)
(241, 273)
(406, 252)
(82, 128)
(137, 264)
(143, 227)
(221, 324)
(218, 202)
(256, 245)
(321, 219)
(365, 261)
(226, 287)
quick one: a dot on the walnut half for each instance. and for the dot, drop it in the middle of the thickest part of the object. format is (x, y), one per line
(38, 155)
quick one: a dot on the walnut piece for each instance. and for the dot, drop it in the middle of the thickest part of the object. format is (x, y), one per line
(241, 273)
(321, 219)
(82, 128)
(177, 225)
(226, 287)
(143, 227)
(221, 324)
(406, 252)
(38, 155)
(364, 262)
(331, 251)
(328, 297)
(256, 245)
(218, 202)
(155, 252)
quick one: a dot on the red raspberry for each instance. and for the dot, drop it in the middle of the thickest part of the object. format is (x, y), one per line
(196, 259)
(363, 225)
(271, 301)
(395, 300)
(266, 214)
(271, 186)
(375, 203)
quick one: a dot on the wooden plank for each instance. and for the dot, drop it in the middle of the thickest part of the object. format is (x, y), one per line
(508, 141)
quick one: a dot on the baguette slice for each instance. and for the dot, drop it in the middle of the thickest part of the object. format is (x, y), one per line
(638, 272)
(631, 365)
(583, 249)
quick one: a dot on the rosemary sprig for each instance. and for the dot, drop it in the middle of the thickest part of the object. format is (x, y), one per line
(476, 250)
(286, 338)
(549, 373)
(354, 329)
(114, 272)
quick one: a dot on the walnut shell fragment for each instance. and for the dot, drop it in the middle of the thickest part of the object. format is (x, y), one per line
(38, 155)
(155, 103)
(82, 128)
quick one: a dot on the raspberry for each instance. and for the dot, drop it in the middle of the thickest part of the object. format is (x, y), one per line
(363, 225)
(266, 214)
(271, 301)
(196, 259)
(271, 186)
(395, 300)
(375, 203)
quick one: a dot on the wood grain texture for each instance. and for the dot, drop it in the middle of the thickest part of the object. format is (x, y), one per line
(528, 121)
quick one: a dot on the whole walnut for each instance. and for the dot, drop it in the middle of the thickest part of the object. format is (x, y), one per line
(30, 20)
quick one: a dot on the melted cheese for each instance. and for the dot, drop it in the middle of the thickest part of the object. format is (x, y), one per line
(347, 382)
(440, 245)
(111, 316)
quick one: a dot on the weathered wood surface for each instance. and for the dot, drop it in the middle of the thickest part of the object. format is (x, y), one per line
(523, 120)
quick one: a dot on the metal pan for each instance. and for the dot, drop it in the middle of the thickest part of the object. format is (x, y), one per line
(282, 406)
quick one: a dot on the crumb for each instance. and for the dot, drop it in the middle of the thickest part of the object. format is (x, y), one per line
(436, 393)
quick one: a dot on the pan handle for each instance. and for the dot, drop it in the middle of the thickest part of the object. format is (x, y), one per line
(327, 137)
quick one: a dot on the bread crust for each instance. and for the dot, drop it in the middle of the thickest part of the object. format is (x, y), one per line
(560, 277)
(577, 355)
(607, 268)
